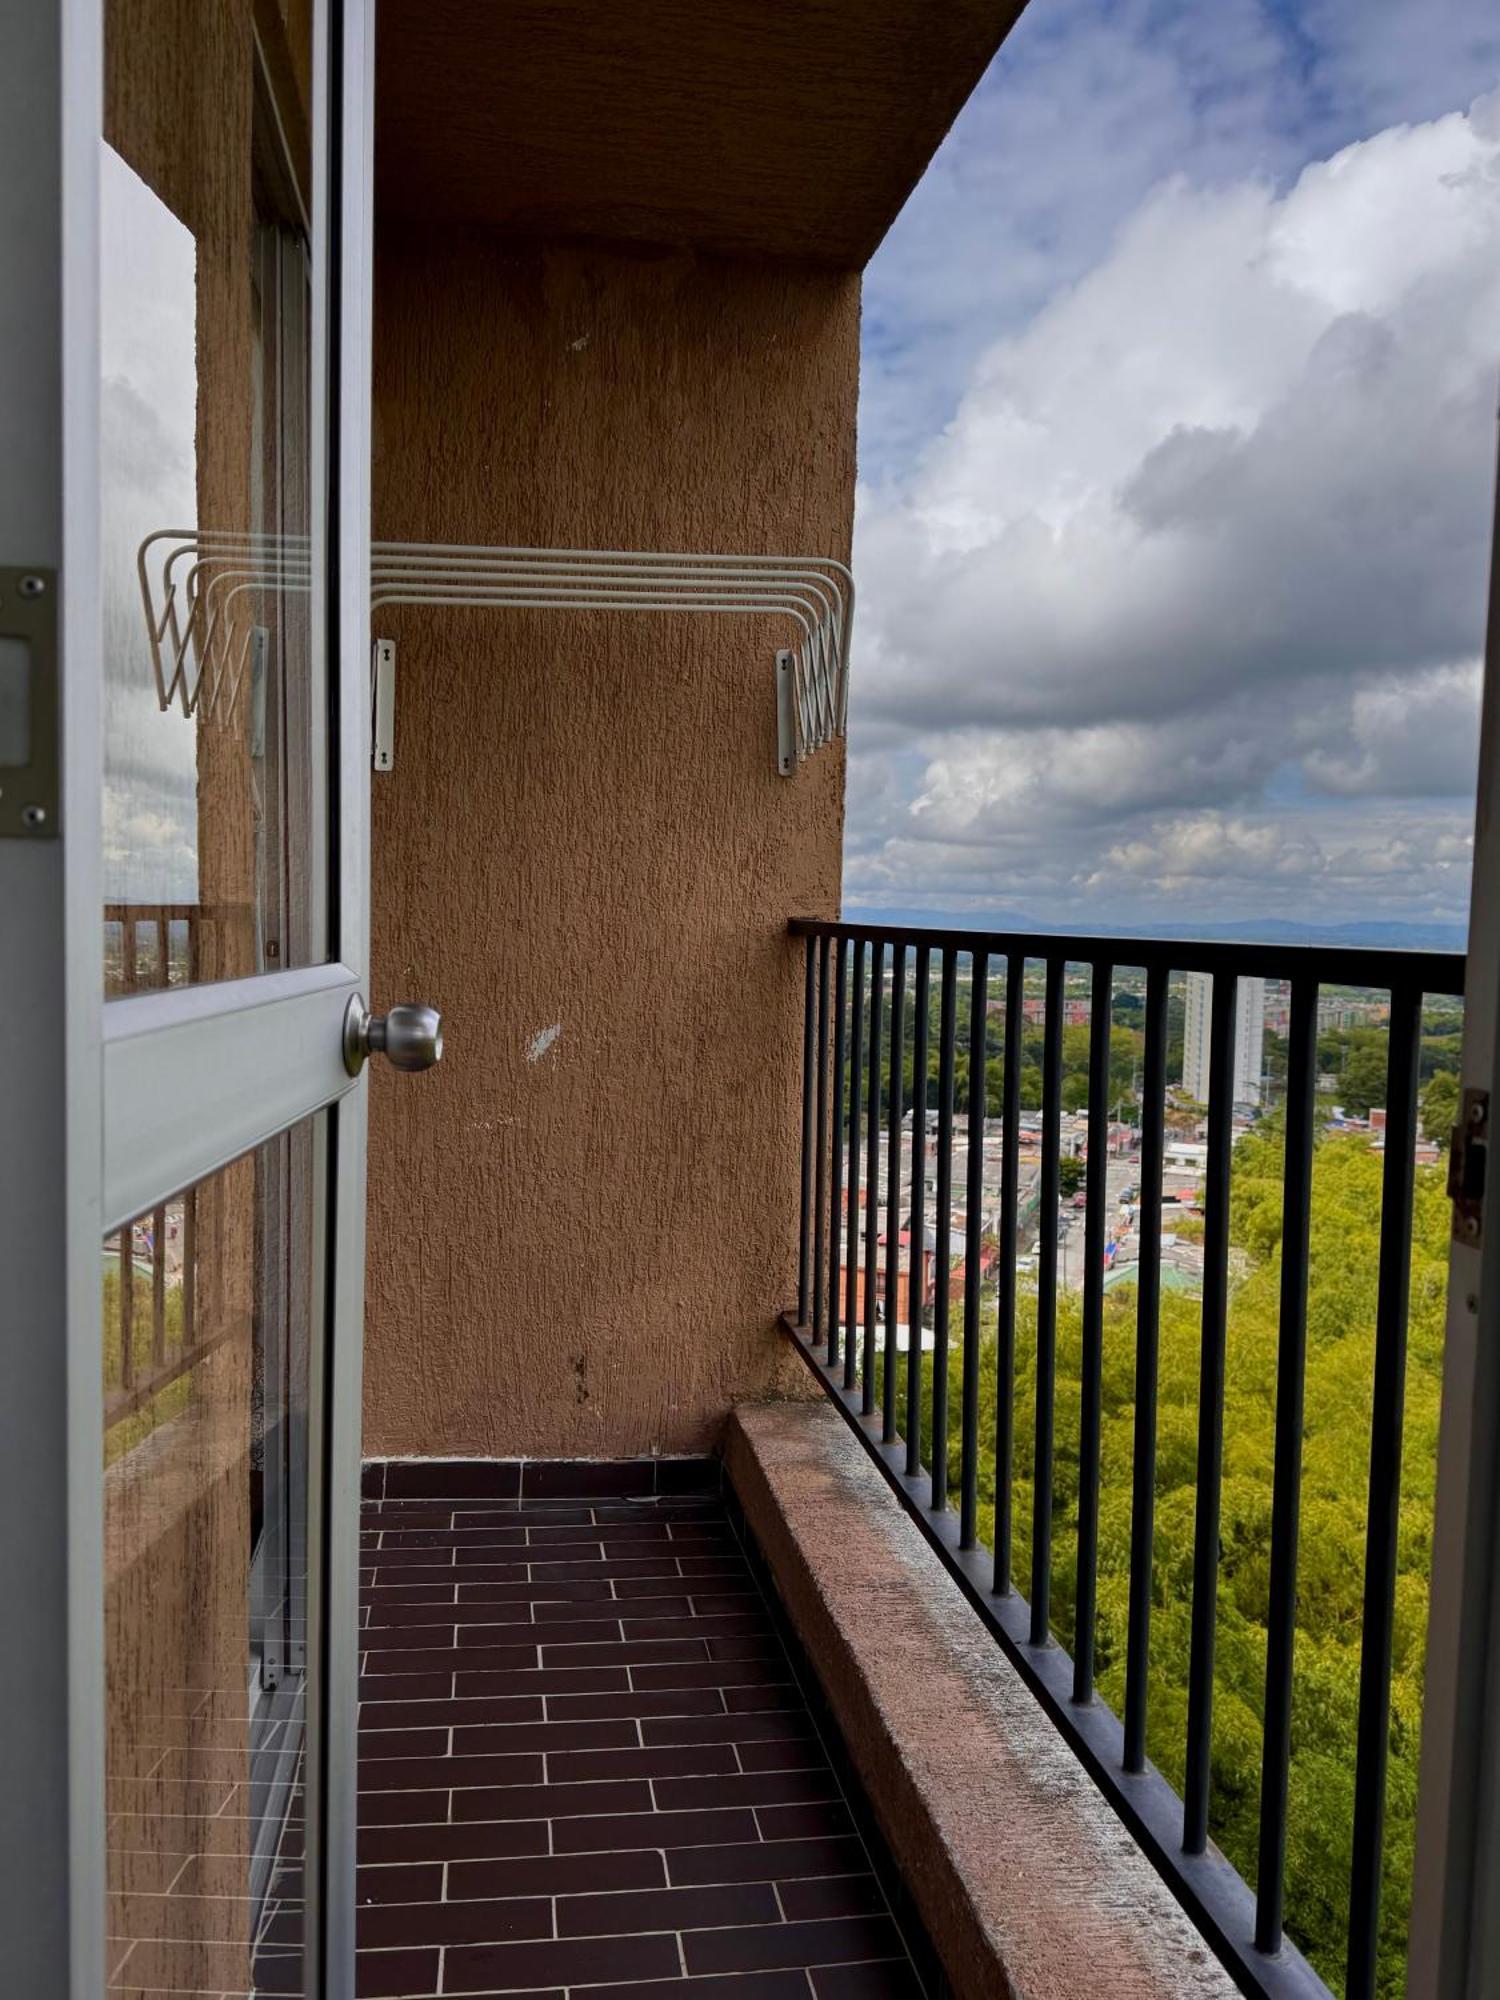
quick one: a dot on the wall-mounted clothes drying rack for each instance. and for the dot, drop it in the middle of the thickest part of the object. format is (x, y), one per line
(199, 590)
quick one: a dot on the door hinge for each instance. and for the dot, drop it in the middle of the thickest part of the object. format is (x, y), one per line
(1468, 1153)
(383, 705)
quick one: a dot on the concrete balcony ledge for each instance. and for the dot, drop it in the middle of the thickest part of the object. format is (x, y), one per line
(1025, 1879)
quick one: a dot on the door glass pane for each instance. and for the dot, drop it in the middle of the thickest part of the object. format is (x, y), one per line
(208, 1327)
(213, 802)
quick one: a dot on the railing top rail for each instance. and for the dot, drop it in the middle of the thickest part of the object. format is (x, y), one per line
(1438, 972)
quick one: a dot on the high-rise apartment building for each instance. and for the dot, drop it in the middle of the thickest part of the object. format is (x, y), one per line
(1249, 1038)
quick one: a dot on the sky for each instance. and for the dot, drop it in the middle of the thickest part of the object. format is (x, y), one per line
(148, 278)
(1176, 473)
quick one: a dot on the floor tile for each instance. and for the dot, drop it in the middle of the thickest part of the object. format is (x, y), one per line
(586, 1769)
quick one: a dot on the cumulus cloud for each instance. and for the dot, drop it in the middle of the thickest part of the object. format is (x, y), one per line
(1204, 542)
(1091, 104)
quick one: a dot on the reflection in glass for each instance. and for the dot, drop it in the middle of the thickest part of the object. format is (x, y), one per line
(207, 1330)
(211, 799)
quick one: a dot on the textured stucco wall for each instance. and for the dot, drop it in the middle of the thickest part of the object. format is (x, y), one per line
(583, 1224)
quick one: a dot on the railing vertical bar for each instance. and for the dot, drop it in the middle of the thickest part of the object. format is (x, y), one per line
(809, 1039)
(836, 1149)
(1286, 1492)
(894, 1095)
(943, 1224)
(163, 942)
(820, 1150)
(968, 1478)
(1091, 1412)
(1046, 1309)
(916, 1259)
(1147, 1342)
(856, 1112)
(1005, 1344)
(127, 1306)
(1388, 1409)
(1221, 1038)
(189, 1266)
(158, 1286)
(872, 1184)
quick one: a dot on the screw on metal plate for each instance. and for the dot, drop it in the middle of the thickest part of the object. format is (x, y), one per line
(32, 586)
(34, 817)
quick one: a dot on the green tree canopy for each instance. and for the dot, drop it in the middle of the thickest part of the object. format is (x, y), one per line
(1344, 1246)
(1440, 1106)
(1362, 1080)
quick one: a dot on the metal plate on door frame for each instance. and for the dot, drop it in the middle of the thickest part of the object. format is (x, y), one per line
(29, 791)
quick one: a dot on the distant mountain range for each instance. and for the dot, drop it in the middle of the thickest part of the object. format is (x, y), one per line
(1372, 935)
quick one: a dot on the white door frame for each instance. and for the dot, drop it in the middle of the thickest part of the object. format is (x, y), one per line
(336, 1392)
(107, 1109)
(1455, 1923)
(52, 979)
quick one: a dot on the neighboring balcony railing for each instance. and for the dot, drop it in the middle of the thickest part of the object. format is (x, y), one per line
(152, 1335)
(875, 1199)
(152, 945)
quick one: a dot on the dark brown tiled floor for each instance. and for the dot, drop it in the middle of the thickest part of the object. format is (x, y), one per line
(585, 1767)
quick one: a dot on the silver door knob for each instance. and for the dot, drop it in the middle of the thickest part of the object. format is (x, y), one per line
(409, 1037)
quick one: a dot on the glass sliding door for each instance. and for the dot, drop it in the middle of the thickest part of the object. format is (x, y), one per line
(215, 803)
(234, 586)
(205, 1509)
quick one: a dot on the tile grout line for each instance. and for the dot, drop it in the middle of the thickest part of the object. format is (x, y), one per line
(697, 1702)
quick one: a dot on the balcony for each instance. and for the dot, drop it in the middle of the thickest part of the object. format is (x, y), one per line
(642, 1720)
(895, 1462)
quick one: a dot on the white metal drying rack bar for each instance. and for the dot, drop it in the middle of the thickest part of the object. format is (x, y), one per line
(198, 588)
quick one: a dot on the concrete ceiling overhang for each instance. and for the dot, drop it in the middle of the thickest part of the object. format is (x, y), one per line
(791, 128)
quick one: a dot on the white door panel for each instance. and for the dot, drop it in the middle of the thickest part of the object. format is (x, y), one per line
(195, 1077)
(181, 1525)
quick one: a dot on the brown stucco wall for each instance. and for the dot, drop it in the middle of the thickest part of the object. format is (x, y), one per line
(584, 1254)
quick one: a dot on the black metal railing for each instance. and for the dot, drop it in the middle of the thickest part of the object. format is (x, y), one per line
(154, 1332)
(856, 1310)
(151, 945)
